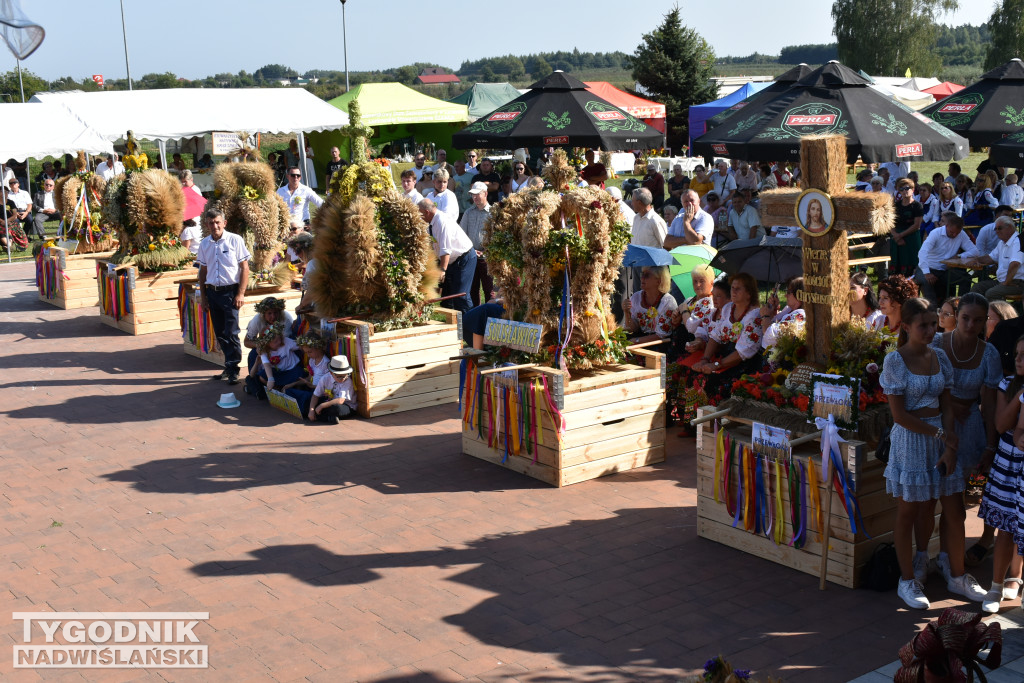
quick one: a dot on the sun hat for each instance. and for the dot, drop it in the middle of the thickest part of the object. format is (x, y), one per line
(477, 188)
(229, 400)
(340, 366)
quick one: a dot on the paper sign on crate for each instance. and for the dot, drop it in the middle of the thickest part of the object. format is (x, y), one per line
(770, 441)
(507, 378)
(835, 395)
(284, 402)
(513, 335)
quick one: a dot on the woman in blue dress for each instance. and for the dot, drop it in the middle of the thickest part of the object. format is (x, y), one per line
(923, 463)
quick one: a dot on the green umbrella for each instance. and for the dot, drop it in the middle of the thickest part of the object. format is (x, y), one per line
(685, 259)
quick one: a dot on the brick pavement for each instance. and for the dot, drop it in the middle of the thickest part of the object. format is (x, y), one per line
(371, 551)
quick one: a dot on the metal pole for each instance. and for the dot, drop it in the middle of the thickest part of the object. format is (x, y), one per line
(344, 42)
(7, 228)
(124, 33)
(162, 144)
(28, 165)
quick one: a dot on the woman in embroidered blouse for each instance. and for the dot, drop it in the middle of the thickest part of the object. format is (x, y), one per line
(649, 311)
(893, 292)
(719, 298)
(930, 204)
(863, 302)
(774, 319)
(949, 201)
(977, 370)
(923, 466)
(734, 345)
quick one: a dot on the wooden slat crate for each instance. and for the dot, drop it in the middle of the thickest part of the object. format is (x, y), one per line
(151, 299)
(213, 354)
(401, 370)
(614, 422)
(848, 552)
(75, 275)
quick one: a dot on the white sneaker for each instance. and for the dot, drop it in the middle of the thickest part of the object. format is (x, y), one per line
(991, 602)
(966, 586)
(1010, 589)
(941, 563)
(912, 593)
(920, 567)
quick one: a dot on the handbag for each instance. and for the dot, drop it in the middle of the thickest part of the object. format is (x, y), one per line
(884, 443)
(882, 571)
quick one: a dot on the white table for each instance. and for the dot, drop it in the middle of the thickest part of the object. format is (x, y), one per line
(204, 181)
(665, 164)
(623, 162)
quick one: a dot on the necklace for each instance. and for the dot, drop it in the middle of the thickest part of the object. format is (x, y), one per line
(952, 348)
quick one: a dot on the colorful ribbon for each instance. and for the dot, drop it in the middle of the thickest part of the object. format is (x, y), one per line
(830, 441)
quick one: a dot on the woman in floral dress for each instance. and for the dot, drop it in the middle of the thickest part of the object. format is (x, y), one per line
(734, 345)
(649, 310)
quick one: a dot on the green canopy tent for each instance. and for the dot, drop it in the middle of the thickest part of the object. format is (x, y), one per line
(395, 112)
(483, 98)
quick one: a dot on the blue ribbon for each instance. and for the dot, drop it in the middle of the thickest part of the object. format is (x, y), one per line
(462, 380)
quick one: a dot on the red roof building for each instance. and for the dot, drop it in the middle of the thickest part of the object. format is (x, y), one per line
(435, 75)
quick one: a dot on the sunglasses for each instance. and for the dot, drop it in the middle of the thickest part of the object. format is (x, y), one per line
(294, 175)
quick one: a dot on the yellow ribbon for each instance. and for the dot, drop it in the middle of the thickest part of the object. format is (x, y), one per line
(780, 520)
(719, 455)
(538, 394)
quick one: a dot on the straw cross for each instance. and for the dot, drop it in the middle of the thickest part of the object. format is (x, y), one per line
(357, 133)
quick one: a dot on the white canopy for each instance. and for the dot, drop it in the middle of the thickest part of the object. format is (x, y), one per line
(38, 130)
(912, 98)
(178, 113)
(919, 83)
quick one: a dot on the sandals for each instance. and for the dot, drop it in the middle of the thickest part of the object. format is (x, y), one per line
(976, 554)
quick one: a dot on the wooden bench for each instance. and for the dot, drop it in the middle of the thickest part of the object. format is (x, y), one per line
(867, 260)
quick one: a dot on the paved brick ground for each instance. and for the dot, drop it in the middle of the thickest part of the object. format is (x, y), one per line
(371, 551)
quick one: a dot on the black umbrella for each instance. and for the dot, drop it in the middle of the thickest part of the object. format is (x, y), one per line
(1009, 151)
(768, 259)
(558, 111)
(985, 111)
(781, 83)
(833, 99)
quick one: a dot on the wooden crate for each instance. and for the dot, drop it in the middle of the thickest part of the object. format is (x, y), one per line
(848, 552)
(151, 299)
(406, 369)
(614, 422)
(75, 275)
(213, 354)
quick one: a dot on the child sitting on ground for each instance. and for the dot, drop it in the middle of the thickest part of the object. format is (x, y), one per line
(317, 367)
(334, 397)
(278, 364)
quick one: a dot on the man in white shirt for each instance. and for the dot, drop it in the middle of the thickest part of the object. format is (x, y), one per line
(442, 160)
(110, 168)
(693, 225)
(443, 198)
(223, 278)
(46, 208)
(896, 169)
(409, 190)
(987, 239)
(649, 228)
(725, 184)
(418, 169)
(455, 255)
(471, 162)
(298, 196)
(1013, 194)
(949, 241)
(624, 207)
(1007, 257)
(744, 220)
(22, 201)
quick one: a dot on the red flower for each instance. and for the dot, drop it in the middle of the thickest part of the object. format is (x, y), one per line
(766, 378)
(596, 204)
(802, 402)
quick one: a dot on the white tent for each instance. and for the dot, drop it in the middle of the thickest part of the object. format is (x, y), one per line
(919, 83)
(177, 113)
(911, 98)
(40, 130)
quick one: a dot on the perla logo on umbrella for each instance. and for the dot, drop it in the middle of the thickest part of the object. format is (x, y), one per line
(958, 110)
(814, 117)
(504, 116)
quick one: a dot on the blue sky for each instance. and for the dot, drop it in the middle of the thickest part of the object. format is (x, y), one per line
(197, 39)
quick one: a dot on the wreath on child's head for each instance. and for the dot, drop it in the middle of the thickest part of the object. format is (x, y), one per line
(313, 341)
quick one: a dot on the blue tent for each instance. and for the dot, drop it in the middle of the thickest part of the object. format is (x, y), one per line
(702, 112)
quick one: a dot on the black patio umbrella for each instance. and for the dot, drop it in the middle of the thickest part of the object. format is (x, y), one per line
(558, 111)
(781, 83)
(829, 100)
(1009, 151)
(985, 111)
(768, 259)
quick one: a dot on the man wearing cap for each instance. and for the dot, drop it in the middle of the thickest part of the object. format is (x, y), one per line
(298, 196)
(334, 397)
(655, 182)
(455, 254)
(489, 176)
(442, 197)
(223, 277)
(725, 183)
(473, 224)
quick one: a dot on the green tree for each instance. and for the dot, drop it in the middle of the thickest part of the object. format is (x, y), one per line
(674, 64)
(1007, 28)
(542, 69)
(887, 37)
(9, 85)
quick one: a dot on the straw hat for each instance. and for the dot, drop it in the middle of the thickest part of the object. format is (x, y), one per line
(340, 366)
